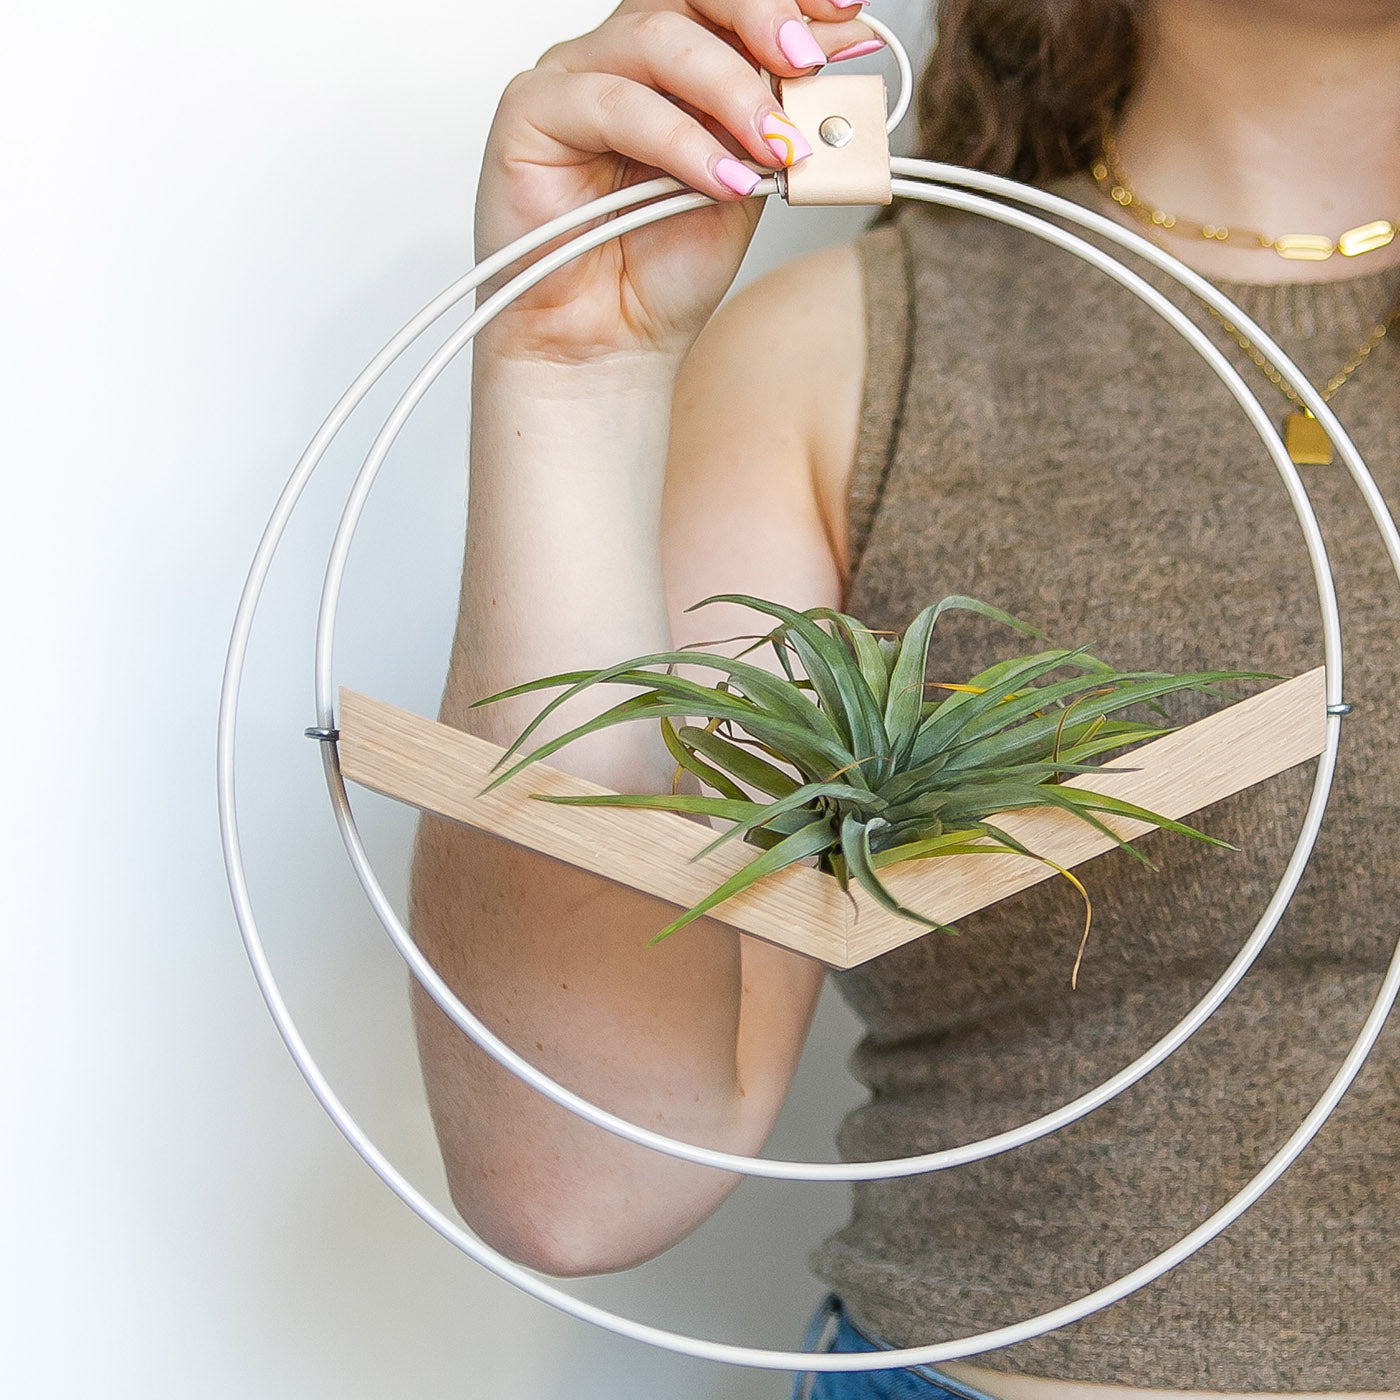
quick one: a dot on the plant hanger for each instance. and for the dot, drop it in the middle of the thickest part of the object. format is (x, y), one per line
(440, 770)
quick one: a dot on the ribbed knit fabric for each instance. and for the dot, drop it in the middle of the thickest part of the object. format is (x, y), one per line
(1034, 436)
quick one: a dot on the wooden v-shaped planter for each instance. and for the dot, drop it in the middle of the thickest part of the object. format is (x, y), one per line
(442, 770)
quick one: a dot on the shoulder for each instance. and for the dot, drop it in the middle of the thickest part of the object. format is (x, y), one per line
(798, 328)
(782, 363)
(799, 368)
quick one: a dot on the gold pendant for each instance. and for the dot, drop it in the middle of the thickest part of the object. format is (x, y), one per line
(1306, 440)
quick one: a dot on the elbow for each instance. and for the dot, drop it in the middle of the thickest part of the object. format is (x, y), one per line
(558, 1249)
(558, 1237)
(576, 1223)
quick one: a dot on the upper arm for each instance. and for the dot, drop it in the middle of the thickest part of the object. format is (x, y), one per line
(762, 440)
(763, 437)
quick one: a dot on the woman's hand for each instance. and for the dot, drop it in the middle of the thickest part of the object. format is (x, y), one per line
(661, 86)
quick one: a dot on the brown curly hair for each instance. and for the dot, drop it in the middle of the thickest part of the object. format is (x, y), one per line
(1025, 88)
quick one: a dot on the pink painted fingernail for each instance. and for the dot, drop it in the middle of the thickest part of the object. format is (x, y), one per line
(847, 4)
(799, 47)
(856, 50)
(735, 176)
(784, 139)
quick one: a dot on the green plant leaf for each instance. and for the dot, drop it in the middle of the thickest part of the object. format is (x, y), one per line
(814, 757)
(965, 841)
(1035, 735)
(758, 687)
(697, 767)
(625, 673)
(745, 765)
(1078, 691)
(809, 840)
(1106, 739)
(645, 706)
(904, 705)
(855, 848)
(1083, 800)
(866, 648)
(839, 683)
(696, 804)
(794, 801)
(953, 718)
(1031, 771)
(912, 781)
(1028, 745)
(818, 755)
(1028, 701)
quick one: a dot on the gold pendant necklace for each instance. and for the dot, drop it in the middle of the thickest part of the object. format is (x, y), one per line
(1304, 437)
(1306, 440)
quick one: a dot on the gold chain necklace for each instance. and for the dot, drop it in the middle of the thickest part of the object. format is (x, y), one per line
(1303, 436)
(1110, 176)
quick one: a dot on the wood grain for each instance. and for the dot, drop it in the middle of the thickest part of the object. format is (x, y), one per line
(442, 770)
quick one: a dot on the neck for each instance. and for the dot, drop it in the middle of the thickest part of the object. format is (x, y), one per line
(1276, 115)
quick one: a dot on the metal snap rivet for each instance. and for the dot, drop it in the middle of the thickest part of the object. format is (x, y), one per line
(836, 131)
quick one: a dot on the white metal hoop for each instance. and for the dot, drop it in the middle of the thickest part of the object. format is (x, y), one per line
(953, 190)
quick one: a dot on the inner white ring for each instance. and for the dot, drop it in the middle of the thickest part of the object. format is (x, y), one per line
(1047, 1123)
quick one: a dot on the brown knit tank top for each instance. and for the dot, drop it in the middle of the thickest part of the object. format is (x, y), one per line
(1034, 436)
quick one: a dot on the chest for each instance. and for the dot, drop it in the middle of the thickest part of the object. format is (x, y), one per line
(1086, 473)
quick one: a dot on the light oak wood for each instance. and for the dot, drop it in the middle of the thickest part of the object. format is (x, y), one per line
(442, 770)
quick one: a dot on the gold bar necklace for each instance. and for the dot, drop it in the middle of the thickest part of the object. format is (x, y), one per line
(1303, 436)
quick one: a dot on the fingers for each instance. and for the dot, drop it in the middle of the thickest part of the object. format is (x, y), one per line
(780, 34)
(602, 112)
(787, 37)
(612, 89)
(665, 51)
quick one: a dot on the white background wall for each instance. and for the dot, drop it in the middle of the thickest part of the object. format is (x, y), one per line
(213, 216)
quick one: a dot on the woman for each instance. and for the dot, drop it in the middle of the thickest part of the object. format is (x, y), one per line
(947, 407)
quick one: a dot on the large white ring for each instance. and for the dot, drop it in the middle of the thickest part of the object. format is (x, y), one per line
(947, 193)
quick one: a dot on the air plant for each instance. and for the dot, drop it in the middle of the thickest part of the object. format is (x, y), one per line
(860, 766)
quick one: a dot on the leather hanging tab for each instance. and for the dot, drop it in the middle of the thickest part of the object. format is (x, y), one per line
(843, 119)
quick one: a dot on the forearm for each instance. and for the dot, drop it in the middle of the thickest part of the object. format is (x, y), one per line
(563, 566)
(563, 571)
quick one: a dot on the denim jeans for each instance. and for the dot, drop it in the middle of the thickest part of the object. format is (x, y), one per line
(911, 1383)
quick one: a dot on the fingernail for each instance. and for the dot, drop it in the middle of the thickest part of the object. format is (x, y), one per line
(799, 47)
(784, 139)
(847, 4)
(856, 50)
(734, 176)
